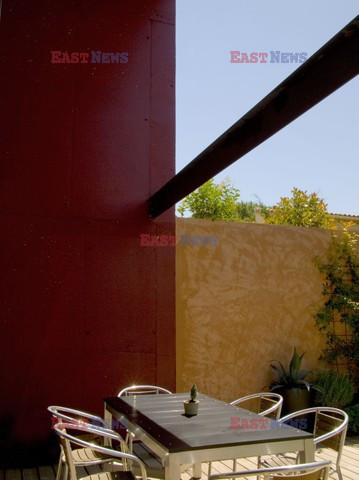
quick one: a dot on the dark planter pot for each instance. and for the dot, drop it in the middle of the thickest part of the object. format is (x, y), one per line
(294, 400)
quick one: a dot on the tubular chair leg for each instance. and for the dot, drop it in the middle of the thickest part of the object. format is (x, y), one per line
(234, 466)
(66, 470)
(59, 468)
(339, 472)
(259, 464)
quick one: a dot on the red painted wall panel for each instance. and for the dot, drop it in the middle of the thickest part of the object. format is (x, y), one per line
(84, 310)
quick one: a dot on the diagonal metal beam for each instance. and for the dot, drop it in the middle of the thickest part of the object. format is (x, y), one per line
(325, 71)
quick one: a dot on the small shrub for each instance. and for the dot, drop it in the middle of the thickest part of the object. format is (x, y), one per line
(353, 413)
(334, 389)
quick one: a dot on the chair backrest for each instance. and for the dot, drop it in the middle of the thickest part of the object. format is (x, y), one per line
(332, 423)
(330, 426)
(70, 415)
(142, 390)
(329, 422)
(66, 440)
(306, 471)
(267, 404)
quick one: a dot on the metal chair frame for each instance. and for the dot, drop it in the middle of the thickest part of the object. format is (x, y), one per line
(68, 416)
(274, 409)
(268, 396)
(340, 429)
(306, 469)
(142, 390)
(60, 412)
(139, 390)
(113, 455)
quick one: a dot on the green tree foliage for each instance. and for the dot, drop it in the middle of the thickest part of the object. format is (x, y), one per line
(301, 210)
(341, 292)
(221, 202)
(245, 211)
(212, 201)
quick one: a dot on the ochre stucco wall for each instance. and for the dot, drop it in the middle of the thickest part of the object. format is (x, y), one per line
(245, 302)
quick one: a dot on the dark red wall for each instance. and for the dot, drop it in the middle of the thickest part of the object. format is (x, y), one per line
(84, 309)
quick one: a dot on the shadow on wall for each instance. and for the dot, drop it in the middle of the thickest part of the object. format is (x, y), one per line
(14, 453)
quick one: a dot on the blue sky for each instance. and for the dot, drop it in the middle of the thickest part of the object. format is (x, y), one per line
(318, 152)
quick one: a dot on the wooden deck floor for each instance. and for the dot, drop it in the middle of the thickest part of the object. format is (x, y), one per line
(350, 466)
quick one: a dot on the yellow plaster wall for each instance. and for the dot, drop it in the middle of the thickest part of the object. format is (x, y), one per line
(245, 302)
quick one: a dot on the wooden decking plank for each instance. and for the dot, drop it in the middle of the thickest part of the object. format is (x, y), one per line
(13, 474)
(350, 452)
(218, 467)
(349, 455)
(46, 473)
(223, 466)
(82, 472)
(353, 441)
(186, 476)
(30, 474)
(349, 464)
(248, 463)
(347, 474)
(94, 469)
(227, 466)
(330, 455)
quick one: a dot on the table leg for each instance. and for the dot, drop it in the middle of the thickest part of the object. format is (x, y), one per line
(197, 470)
(172, 468)
(308, 455)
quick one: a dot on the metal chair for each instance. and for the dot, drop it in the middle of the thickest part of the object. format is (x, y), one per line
(306, 471)
(119, 462)
(150, 459)
(81, 457)
(139, 390)
(142, 390)
(267, 404)
(330, 428)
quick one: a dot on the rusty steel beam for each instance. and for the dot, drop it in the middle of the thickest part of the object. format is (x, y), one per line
(325, 71)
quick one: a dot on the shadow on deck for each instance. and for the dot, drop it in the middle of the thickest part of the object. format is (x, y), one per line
(350, 466)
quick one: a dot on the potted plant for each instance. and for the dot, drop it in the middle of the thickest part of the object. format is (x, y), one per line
(291, 384)
(191, 405)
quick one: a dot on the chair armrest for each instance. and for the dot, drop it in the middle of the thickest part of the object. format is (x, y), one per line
(99, 448)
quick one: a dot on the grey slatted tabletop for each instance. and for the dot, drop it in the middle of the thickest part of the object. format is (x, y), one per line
(162, 418)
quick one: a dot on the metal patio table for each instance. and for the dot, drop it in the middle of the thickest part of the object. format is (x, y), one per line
(159, 422)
